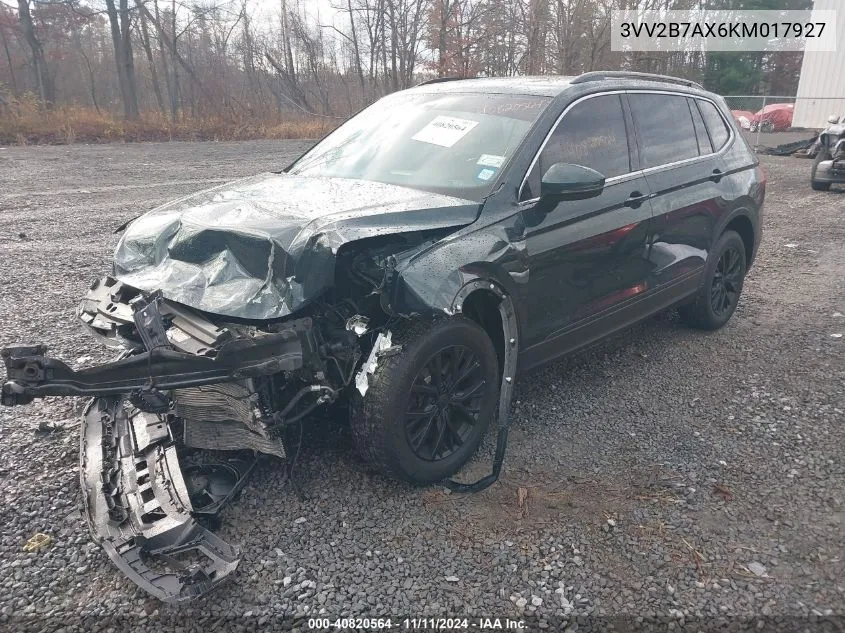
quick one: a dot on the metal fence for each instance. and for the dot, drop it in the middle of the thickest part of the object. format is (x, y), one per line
(771, 120)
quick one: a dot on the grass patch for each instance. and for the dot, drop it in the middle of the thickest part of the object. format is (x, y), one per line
(24, 122)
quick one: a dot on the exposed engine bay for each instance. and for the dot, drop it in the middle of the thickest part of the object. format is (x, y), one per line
(234, 316)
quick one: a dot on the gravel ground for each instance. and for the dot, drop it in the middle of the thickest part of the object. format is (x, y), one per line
(666, 473)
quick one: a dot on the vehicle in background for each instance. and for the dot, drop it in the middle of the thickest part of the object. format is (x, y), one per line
(743, 118)
(774, 117)
(829, 164)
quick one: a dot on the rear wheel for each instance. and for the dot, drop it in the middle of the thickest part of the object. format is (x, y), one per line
(824, 154)
(427, 408)
(724, 275)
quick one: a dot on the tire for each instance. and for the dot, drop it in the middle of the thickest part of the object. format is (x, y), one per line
(824, 154)
(388, 422)
(724, 274)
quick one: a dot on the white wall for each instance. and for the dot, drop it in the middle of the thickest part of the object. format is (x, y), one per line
(822, 75)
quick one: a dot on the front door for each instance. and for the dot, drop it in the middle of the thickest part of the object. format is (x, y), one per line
(585, 256)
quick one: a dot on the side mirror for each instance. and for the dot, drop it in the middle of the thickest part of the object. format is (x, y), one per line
(565, 181)
(833, 119)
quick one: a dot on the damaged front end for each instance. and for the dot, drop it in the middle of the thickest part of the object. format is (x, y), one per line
(235, 316)
(181, 383)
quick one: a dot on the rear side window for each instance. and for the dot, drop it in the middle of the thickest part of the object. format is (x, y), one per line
(719, 133)
(666, 130)
(704, 146)
(591, 134)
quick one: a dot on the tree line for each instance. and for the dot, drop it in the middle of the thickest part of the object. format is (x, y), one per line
(268, 59)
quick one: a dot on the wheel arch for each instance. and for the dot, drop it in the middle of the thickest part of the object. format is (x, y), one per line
(482, 306)
(742, 222)
(488, 304)
(481, 294)
(743, 226)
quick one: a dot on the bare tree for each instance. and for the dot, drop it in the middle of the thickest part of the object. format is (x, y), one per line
(5, 20)
(43, 80)
(120, 23)
(215, 60)
(148, 51)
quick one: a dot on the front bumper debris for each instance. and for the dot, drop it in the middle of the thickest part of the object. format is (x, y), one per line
(181, 385)
(139, 506)
(30, 374)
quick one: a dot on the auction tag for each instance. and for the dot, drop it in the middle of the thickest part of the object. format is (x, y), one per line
(491, 160)
(444, 131)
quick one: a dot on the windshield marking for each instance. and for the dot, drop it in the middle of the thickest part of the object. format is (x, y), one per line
(444, 131)
(491, 160)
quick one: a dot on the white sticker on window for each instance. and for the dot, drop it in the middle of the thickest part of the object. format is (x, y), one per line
(491, 160)
(444, 131)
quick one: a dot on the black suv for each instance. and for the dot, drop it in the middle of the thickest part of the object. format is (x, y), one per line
(405, 268)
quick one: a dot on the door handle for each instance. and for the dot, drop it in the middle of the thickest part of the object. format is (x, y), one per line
(635, 199)
(717, 175)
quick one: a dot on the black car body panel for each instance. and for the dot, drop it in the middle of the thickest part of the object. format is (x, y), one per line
(547, 257)
(241, 309)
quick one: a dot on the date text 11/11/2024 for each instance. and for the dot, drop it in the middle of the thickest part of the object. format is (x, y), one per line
(417, 624)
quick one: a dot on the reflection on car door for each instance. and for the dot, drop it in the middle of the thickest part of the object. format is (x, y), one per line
(586, 256)
(684, 171)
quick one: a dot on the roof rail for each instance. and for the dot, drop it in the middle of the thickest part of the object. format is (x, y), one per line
(598, 75)
(438, 80)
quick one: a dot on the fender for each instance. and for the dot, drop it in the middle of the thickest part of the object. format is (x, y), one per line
(740, 212)
(510, 328)
(428, 281)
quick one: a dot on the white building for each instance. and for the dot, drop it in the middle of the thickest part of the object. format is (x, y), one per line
(822, 75)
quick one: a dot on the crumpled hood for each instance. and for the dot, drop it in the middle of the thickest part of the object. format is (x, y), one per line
(262, 247)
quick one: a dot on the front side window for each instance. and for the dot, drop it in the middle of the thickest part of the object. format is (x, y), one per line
(591, 134)
(719, 133)
(665, 127)
(455, 144)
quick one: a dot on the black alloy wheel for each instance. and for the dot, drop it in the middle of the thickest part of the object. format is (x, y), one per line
(718, 295)
(727, 282)
(444, 403)
(428, 405)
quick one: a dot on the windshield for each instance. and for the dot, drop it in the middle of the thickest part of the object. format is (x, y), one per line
(454, 144)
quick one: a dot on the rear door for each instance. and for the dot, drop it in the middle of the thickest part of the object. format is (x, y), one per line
(684, 169)
(584, 256)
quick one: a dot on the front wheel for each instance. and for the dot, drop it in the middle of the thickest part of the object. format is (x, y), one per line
(427, 408)
(724, 275)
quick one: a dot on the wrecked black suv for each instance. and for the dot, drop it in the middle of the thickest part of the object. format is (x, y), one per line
(405, 267)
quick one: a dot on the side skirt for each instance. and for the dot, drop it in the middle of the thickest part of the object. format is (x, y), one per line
(612, 320)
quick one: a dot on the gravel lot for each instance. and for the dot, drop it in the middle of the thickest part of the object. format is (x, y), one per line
(666, 473)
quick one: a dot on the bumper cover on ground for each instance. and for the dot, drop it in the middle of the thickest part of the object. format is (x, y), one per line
(138, 507)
